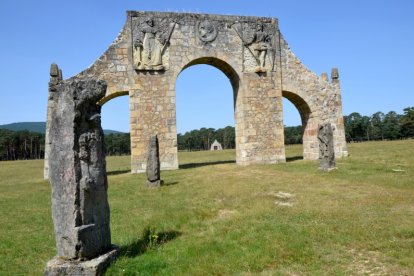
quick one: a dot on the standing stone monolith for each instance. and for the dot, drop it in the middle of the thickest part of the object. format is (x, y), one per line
(153, 163)
(326, 147)
(55, 78)
(77, 173)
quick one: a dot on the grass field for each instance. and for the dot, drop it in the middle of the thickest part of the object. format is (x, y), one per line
(216, 218)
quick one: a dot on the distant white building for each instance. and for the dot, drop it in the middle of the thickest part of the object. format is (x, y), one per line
(216, 146)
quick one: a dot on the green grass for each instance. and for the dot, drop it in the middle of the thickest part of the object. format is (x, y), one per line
(215, 217)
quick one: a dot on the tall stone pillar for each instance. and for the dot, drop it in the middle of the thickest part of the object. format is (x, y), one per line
(77, 172)
(259, 111)
(152, 111)
(55, 78)
(340, 146)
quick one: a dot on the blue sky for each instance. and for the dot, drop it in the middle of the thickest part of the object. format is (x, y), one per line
(371, 42)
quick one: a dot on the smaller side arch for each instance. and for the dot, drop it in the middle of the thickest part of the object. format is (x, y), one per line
(309, 125)
(111, 96)
(300, 104)
(132, 121)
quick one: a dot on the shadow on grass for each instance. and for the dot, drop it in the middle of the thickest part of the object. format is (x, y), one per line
(118, 172)
(196, 165)
(170, 183)
(150, 239)
(294, 158)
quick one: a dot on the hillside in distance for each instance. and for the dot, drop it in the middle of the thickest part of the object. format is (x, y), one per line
(39, 127)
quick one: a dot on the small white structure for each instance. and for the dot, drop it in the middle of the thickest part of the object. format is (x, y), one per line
(216, 146)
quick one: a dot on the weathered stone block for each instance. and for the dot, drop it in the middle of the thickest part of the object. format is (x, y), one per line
(78, 178)
(93, 267)
(326, 147)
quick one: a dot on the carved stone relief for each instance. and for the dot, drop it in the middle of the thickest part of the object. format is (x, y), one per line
(259, 44)
(326, 147)
(78, 178)
(77, 173)
(206, 31)
(151, 38)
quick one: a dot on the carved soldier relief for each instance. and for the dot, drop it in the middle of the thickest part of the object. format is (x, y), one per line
(206, 31)
(259, 45)
(151, 38)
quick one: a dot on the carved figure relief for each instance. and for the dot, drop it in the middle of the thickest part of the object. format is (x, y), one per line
(257, 39)
(261, 45)
(78, 175)
(150, 43)
(206, 31)
(90, 151)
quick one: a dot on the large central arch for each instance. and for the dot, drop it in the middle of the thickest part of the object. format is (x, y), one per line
(229, 72)
(153, 48)
(222, 66)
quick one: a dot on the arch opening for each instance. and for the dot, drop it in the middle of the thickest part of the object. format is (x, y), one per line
(223, 67)
(111, 96)
(308, 131)
(203, 107)
(115, 120)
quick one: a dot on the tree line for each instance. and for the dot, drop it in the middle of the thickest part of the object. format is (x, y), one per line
(379, 126)
(20, 145)
(195, 140)
(202, 138)
(24, 145)
(117, 144)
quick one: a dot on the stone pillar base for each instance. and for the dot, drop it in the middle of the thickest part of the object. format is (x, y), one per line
(154, 184)
(96, 266)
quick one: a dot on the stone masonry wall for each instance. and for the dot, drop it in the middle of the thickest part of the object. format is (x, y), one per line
(258, 115)
(153, 48)
(317, 99)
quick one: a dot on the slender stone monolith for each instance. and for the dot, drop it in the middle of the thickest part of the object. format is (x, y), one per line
(55, 78)
(77, 173)
(153, 163)
(326, 147)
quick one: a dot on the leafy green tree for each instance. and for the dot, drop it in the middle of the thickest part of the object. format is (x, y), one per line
(17, 145)
(354, 127)
(407, 122)
(392, 127)
(293, 135)
(377, 126)
(118, 144)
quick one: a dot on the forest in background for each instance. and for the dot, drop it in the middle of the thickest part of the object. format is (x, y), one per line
(24, 144)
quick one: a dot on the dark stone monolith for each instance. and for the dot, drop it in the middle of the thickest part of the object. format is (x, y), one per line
(326, 147)
(153, 163)
(80, 208)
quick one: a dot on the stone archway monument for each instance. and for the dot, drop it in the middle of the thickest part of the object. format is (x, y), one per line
(144, 62)
(153, 48)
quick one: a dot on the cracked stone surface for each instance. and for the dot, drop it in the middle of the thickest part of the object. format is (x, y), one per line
(77, 173)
